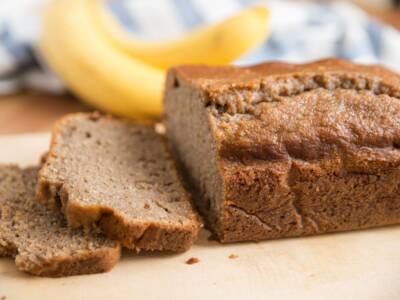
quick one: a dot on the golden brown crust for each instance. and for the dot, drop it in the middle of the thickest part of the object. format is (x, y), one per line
(221, 78)
(300, 149)
(133, 234)
(249, 107)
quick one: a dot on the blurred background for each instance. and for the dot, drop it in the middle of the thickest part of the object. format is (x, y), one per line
(33, 94)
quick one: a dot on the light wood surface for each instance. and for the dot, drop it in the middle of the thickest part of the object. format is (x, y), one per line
(355, 265)
(34, 112)
(27, 112)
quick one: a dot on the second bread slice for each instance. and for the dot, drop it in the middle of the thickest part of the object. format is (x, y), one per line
(118, 176)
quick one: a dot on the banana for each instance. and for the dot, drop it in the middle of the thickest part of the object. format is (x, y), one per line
(93, 68)
(214, 45)
(124, 76)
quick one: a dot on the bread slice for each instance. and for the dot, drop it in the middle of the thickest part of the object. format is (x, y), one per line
(40, 239)
(107, 172)
(278, 150)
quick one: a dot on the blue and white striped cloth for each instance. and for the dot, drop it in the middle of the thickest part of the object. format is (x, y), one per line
(300, 32)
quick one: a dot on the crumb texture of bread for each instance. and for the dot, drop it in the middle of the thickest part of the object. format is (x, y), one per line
(109, 173)
(40, 239)
(278, 150)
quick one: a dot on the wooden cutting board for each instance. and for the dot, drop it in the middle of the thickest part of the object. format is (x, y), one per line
(357, 265)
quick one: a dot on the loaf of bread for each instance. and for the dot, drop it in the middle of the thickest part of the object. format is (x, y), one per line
(39, 239)
(279, 150)
(105, 172)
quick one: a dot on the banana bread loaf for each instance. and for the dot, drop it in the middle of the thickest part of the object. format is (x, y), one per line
(278, 150)
(39, 239)
(119, 176)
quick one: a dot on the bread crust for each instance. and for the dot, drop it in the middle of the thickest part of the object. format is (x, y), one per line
(299, 149)
(133, 234)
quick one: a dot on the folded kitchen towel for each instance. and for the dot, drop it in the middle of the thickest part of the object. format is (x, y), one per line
(300, 32)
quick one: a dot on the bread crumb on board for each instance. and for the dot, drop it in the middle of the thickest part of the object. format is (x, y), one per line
(233, 256)
(192, 261)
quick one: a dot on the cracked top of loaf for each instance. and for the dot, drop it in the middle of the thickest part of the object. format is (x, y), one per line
(276, 111)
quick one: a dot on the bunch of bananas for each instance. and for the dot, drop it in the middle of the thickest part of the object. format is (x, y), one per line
(108, 68)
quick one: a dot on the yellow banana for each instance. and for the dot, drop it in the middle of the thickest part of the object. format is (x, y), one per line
(111, 76)
(94, 68)
(214, 45)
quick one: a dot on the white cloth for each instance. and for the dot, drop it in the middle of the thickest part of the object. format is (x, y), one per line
(300, 32)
